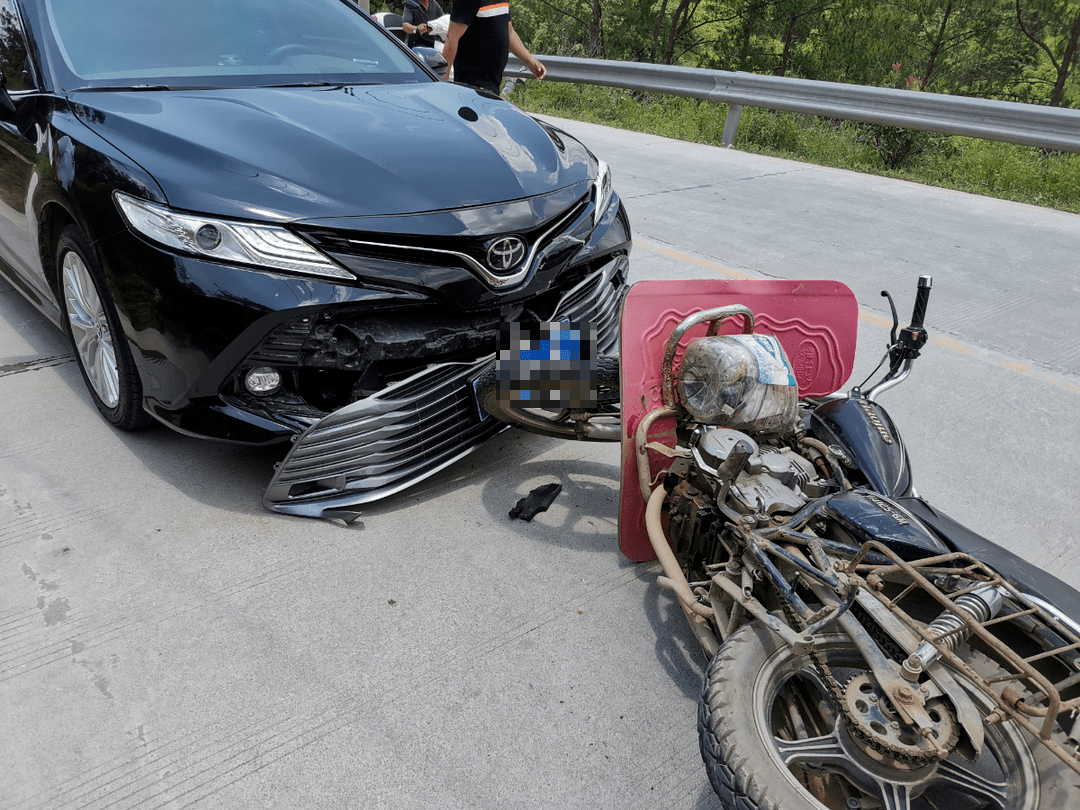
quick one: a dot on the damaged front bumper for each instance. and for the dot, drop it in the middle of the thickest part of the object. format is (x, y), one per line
(414, 428)
(382, 444)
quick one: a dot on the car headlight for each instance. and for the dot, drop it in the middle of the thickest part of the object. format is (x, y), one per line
(602, 191)
(249, 243)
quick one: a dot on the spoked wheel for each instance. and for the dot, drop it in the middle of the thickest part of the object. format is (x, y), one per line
(600, 424)
(772, 738)
(93, 326)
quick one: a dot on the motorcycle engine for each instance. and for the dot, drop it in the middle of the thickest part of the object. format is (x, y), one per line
(745, 459)
(761, 480)
(730, 477)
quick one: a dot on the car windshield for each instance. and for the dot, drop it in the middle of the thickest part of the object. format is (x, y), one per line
(177, 43)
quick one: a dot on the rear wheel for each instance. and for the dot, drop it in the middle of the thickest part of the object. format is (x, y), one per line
(772, 738)
(94, 328)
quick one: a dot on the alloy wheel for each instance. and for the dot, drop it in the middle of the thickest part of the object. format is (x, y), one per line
(90, 330)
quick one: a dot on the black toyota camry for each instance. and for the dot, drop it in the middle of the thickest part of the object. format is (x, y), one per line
(263, 220)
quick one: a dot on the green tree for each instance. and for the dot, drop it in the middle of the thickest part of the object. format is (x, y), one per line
(563, 27)
(969, 47)
(780, 37)
(1053, 26)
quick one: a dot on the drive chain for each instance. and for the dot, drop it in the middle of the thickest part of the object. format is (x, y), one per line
(904, 754)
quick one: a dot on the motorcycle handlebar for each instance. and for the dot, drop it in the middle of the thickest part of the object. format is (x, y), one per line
(922, 296)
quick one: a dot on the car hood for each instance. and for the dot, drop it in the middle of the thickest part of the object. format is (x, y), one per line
(299, 153)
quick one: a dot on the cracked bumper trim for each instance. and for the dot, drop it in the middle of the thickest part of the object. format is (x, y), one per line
(383, 444)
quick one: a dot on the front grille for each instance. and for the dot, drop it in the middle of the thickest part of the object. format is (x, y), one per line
(598, 299)
(383, 443)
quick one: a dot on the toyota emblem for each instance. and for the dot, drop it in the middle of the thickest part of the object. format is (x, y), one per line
(505, 254)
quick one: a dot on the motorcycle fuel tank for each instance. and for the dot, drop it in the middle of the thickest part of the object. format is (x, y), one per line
(869, 516)
(867, 434)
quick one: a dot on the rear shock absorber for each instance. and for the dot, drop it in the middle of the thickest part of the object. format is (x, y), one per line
(950, 629)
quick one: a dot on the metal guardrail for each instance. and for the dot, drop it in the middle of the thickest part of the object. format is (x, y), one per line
(1031, 124)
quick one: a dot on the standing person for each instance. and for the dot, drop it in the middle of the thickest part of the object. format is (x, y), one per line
(415, 19)
(480, 37)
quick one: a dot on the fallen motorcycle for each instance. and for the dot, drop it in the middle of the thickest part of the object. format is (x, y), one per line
(865, 650)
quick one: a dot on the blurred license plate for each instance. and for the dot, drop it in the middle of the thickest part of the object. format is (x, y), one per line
(547, 365)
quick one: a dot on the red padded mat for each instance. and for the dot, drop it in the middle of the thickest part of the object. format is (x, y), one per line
(815, 321)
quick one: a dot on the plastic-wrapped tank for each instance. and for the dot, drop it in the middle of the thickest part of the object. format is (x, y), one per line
(743, 382)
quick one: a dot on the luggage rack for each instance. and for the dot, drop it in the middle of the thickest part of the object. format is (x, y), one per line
(1022, 692)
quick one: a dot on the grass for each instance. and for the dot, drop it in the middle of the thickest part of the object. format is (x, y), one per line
(1008, 171)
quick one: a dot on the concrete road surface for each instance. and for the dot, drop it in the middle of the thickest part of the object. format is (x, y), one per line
(166, 642)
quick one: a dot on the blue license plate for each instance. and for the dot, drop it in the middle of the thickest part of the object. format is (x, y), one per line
(547, 365)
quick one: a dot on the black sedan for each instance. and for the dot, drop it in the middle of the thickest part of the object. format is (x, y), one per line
(264, 220)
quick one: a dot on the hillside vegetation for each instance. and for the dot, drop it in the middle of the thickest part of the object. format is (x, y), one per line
(1009, 171)
(1013, 50)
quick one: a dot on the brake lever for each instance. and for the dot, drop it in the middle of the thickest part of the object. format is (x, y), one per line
(904, 348)
(895, 318)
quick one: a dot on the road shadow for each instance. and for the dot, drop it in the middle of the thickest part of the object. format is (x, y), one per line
(677, 648)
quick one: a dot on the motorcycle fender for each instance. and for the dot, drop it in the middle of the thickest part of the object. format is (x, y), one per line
(867, 434)
(869, 516)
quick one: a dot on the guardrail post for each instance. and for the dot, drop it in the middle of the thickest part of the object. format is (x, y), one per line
(731, 124)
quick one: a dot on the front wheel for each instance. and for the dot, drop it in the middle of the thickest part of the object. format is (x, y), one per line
(771, 738)
(96, 336)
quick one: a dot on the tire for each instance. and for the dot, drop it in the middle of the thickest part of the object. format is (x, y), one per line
(743, 699)
(96, 336)
(604, 423)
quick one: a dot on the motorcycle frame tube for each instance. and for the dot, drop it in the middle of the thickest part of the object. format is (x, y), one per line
(677, 583)
(641, 439)
(760, 549)
(1012, 709)
(673, 571)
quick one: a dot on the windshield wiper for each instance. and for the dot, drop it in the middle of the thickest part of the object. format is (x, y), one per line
(327, 85)
(137, 87)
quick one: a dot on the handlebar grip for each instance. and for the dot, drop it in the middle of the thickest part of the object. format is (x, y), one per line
(922, 296)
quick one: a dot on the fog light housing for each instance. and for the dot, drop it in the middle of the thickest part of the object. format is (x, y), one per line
(262, 381)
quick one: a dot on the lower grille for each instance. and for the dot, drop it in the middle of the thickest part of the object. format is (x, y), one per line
(382, 444)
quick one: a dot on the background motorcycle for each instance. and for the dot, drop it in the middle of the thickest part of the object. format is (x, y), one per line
(432, 57)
